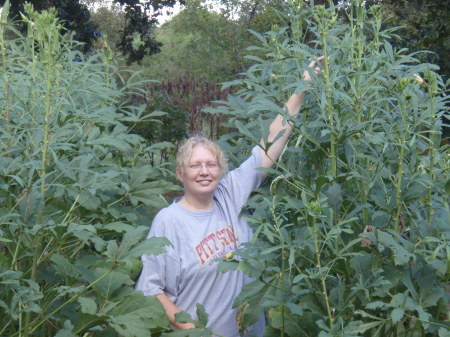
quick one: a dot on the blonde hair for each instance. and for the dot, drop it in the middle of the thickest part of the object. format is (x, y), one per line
(185, 152)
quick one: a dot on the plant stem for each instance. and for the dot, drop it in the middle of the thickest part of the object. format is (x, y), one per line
(283, 263)
(16, 253)
(402, 141)
(329, 103)
(47, 59)
(431, 151)
(358, 37)
(322, 278)
(6, 112)
(5, 326)
(71, 208)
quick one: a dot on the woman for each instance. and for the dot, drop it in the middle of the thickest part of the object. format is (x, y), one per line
(204, 225)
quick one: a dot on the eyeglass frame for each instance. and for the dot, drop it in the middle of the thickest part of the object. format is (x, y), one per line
(210, 166)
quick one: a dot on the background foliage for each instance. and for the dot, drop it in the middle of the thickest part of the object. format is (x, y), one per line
(136, 35)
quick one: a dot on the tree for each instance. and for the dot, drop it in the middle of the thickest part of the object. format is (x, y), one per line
(424, 27)
(75, 15)
(110, 19)
(136, 39)
(207, 41)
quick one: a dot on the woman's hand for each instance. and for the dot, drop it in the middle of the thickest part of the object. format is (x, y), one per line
(315, 66)
(171, 310)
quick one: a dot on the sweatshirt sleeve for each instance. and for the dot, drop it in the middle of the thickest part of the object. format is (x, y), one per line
(240, 182)
(160, 273)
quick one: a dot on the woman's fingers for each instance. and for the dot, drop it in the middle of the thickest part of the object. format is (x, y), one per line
(315, 62)
(314, 65)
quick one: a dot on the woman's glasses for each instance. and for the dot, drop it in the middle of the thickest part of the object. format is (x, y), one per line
(210, 166)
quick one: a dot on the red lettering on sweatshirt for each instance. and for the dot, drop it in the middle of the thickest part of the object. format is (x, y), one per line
(209, 249)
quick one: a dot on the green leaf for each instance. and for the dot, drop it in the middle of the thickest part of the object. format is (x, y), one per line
(183, 317)
(225, 266)
(85, 321)
(447, 187)
(119, 227)
(139, 175)
(67, 331)
(444, 332)
(114, 281)
(257, 294)
(88, 305)
(202, 316)
(151, 246)
(149, 193)
(396, 243)
(279, 319)
(396, 315)
(137, 314)
(376, 305)
(274, 249)
(63, 266)
(105, 281)
(131, 247)
(334, 195)
(244, 130)
(359, 327)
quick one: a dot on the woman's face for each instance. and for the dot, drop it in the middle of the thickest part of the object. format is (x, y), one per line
(201, 177)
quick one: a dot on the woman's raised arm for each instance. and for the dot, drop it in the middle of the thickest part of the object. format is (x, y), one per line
(279, 125)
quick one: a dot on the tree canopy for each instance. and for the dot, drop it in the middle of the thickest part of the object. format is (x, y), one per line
(423, 22)
(136, 40)
(424, 26)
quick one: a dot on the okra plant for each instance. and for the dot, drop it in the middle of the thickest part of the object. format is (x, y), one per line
(73, 186)
(352, 230)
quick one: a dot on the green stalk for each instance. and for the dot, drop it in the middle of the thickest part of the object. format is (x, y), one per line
(45, 50)
(399, 186)
(329, 94)
(322, 278)
(72, 208)
(16, 253)
(283, 264)
(5, 326)
(48, 112)
(401, 156)
(7, 112)
(20, 316)
(431, 148)
(357, 35)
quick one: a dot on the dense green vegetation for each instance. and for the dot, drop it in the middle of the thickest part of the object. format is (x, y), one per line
(73, 185)
(351, 230)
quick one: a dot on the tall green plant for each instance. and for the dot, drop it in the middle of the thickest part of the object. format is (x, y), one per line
(352, 232)
(73, 183)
